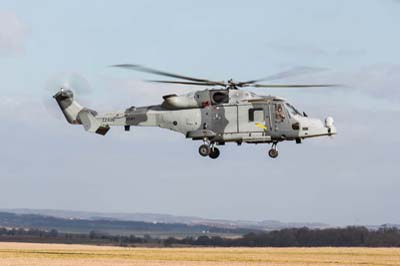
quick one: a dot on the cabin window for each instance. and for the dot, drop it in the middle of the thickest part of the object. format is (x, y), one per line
(256, 115)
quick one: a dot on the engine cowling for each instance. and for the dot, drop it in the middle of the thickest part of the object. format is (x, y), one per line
(174, 101)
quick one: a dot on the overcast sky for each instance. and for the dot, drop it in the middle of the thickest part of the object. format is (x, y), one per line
(350, 179)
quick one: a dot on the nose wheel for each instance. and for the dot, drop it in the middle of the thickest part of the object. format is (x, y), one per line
(273, 152)
(209, 150)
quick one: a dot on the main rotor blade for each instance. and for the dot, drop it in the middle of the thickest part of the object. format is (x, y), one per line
(296, 71)
(166, 74)
(188, 83)
(292, 85)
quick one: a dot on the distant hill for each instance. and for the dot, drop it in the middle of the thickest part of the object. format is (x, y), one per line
(112, 226)
(167, 219)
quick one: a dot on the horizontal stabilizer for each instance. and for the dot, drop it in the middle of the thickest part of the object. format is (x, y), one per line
(91, 124)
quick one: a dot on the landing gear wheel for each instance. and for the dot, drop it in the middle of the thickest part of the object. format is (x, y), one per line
(204, 150)
(214, 153)
(273, 153)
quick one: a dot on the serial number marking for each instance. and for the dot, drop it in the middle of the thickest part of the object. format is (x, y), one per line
(108, 119)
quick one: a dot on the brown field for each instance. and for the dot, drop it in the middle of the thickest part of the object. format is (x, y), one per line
(21, 254)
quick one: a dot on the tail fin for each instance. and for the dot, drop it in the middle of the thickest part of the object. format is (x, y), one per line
(77, 114)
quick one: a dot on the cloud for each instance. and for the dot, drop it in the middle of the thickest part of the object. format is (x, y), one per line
(125, 92)
(13, 33)
(312, 50)
(381, 81)
(350, 52)
(377, 81)
(297, 48)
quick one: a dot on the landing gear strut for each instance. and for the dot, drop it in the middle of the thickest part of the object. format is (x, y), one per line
(209, 149)
(273, 152)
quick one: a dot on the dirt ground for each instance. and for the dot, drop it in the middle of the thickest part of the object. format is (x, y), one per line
(21, 254)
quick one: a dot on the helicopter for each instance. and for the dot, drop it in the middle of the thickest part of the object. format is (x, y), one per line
(216, 116)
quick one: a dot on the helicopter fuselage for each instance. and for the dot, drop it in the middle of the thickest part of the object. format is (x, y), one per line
(213, 116)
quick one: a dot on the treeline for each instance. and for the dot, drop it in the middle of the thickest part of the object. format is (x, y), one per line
(93, 237)
(303, 237)
(300, 237)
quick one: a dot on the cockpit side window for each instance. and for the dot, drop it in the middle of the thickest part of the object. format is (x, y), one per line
(292, 110)
(279, 112)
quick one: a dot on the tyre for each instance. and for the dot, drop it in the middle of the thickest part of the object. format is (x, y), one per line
(273, 153)
(204, 150)
(214, 153)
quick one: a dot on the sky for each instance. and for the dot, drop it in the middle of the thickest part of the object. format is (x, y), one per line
(46, 163)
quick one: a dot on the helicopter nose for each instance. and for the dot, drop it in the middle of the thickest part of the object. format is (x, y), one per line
(312, 127)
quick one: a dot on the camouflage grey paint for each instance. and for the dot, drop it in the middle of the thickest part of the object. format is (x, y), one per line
(70, 109)
(76, 114)
(197, 115)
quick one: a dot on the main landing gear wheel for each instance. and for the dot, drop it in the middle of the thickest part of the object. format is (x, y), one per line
(204, 150)
(214, 153)
(273, 152)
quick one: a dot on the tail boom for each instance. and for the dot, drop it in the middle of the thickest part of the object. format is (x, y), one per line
(78, 115)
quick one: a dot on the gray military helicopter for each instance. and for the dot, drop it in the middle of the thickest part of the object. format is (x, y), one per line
(214, 116)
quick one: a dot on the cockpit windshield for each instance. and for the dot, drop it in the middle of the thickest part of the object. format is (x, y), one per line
(292, 110)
